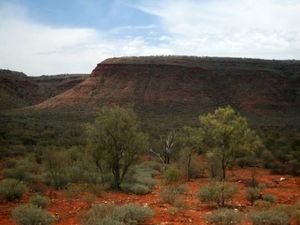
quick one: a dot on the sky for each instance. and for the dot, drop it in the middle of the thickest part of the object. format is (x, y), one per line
(72, 36)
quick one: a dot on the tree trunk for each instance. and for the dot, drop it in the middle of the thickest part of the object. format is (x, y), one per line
(116, 173)
(189, 166)
(223, 170)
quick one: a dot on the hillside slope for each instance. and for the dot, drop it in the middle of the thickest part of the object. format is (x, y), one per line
(255, 87)
(18, 90)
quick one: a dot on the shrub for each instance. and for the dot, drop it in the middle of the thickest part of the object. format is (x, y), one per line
(170, 194)
(139, 179)
(267, 158)
(246, 162)
(271, 217)
(56, 180)
(55, 168)
(269, 198)
(288, 209)
(74, 190)
(297, 215)
(23, 170)
(181, 188)
(39, 201)
(12, 189)
(31, 215)
(179, 203)
(225, 217)
(196, 170)
(261, 204)
(109, 214)
(96, 189)
(172, 174)
(217, 193)
(132, 214)
(253, 194)
(139, 189)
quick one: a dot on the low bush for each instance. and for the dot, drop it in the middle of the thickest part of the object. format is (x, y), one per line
(196, 170)
(297, 216)
(224, 217)
(74, 190)
(217, 193)
(109, 214)
(179, 203)
(31, 215)
(172, 174)
(96, 189)
(39, 201)
(12, 189)
(246, 161)
(138, 189)
(269, 198)
(23, 170)
(261, 204)
(57, 180)
(253, 194)
(271, 217)
(170, 194)
(290, 210)
(139, 179)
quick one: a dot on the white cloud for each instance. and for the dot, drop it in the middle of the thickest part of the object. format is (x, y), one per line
(41, 49)
(247, 28)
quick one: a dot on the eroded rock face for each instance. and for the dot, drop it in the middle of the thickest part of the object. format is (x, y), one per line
(253, 86)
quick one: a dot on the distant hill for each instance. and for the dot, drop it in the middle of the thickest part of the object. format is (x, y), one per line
(19, 90)
(166, 92)
(258, 88)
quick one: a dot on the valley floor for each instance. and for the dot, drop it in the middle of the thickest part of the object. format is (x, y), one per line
(70, 211)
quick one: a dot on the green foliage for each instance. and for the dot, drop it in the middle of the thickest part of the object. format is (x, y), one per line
(297, 215)
(261, 204)
(115, 140)
(267, 158)
(270, 217)
(139, 189)
(31, 215)
(172, 174)
(12, 189)
(23, 169)
(39, 201)
(217, 193)
(109, 214)
(224, 217)
(139, 179)
(190, 140)
(171, 194)
(269, 198)
(253, 194)
(55, 163)
(226, 135)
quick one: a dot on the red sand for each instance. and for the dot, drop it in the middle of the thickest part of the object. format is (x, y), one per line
(70, 211)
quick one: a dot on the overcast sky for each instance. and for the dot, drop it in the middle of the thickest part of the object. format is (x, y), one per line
(72, 36)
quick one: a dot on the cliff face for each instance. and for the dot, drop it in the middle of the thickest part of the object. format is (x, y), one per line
(198, 84)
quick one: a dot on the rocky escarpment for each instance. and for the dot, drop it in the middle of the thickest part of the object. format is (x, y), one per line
(189, 83)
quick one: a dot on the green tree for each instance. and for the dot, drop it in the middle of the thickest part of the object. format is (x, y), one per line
(190, 140)
(115, 140)
(226, 135)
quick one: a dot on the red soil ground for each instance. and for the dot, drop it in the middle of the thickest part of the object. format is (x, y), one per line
(70, 211)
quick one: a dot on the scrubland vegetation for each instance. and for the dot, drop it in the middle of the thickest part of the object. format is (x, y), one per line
(118, 157)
